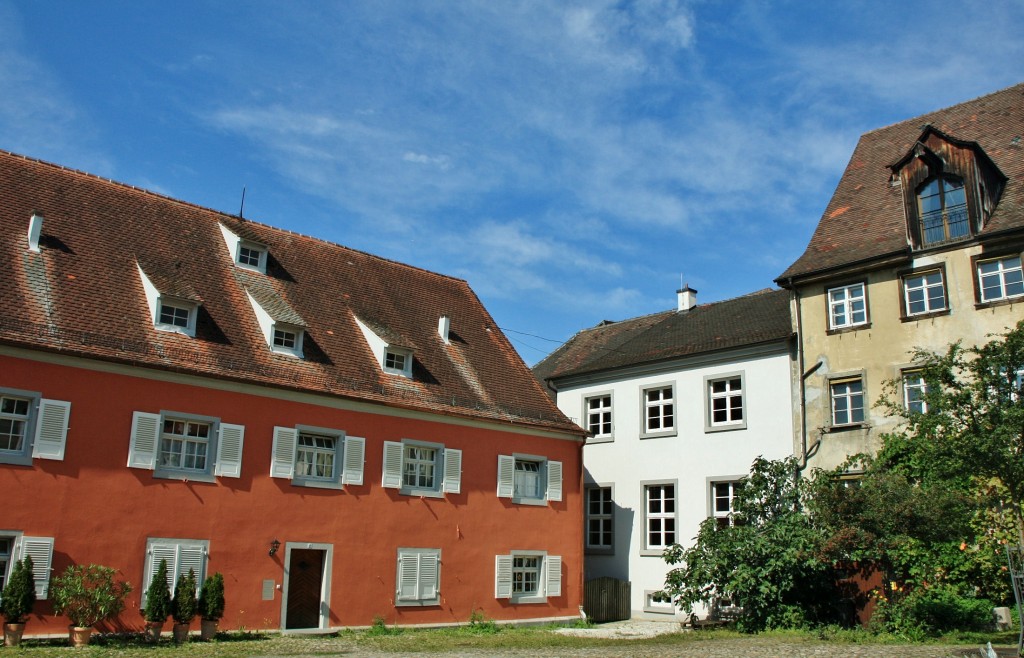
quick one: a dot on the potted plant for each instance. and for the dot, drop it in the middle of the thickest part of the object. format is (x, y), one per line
(87, 595)
(183, 607)
(18, 599)
(158, 603)
(211, 605)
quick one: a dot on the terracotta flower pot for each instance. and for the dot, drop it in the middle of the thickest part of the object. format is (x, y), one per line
(12, 634)
(153, 631)
(207, 629)
(181, 633)
(79, 635)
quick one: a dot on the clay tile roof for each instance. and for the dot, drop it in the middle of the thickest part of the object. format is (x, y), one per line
(865, 218)
(82, 295)
(759, 317)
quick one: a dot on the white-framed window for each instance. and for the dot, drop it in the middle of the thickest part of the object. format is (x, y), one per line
(181, 556)
(252, 256)
(600, 519)
(421, 468)
(942, 205)
(914, 390)
(287, 339)
(317, 457)
(847, 306)
(529, 479)
(725, 408)
(168, 312)
(659, 410)
(398, 361)
(31, 427)
(15, 546)
(655, 603)
(598, 412)
(723, 494)
(847, 399)
(659, 516)
(924, 293)
(418, 577)
(527, 576)
(185, 446)
(1000, 278)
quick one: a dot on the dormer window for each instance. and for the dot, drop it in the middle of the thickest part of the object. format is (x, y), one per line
(942, 205)
(252, 256)
(172, 305)
(282, 327)
(390, 350)
(950, 188)
(247, 253)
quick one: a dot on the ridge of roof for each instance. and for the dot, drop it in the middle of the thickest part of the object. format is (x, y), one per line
(221, 213)
(672, 334)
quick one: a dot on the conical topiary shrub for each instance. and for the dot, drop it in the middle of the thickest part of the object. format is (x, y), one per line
(211, 605)
(158, 603)
(184, 605)
(18, 599)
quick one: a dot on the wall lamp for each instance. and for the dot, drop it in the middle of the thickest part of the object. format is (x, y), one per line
(274, 545)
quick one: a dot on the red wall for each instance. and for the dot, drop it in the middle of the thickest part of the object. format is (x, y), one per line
(100, 511)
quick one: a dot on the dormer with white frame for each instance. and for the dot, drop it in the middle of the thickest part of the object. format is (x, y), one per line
(170, 310)
(283, 328)
(393, 358)
(245, 253)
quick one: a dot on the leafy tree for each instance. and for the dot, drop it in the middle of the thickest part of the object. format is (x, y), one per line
(971, 436)
(767, 561)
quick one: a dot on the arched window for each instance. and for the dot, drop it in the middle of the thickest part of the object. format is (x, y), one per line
(942, 207)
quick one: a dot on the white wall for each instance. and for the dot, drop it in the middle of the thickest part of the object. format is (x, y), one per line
(692, 456)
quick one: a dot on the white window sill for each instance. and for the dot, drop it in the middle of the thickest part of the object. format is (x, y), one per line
(316, 484)
(725, 427)
(184, 476)
(516, 600)
(422, 493)
(538, 502)
(657, 435)
(652, 552)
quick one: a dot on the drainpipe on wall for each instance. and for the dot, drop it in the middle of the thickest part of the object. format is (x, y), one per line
(805, 452)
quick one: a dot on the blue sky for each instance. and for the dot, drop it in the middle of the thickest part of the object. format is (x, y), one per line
(574, 161)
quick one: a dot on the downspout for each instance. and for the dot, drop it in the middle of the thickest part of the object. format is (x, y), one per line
(805, 452)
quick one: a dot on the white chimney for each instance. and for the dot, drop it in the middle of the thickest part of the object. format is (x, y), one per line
(687, 297)
(35, 227)
(443, 325)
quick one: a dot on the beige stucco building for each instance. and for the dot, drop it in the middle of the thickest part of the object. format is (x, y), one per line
(919, 247)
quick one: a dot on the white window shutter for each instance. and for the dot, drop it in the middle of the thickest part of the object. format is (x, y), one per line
(145, 440)
(554, 481)
(428, 576)
(229, 450)
(192, 557)
(554, 575)
(391, 476)
(355, 457)
(159, 552)
(51, 429)
(282, 459)
(40, 549)
(452, 470)
(408, 577)
(502, 576)
(506, 476)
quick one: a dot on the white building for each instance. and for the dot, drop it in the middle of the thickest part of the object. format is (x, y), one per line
(678, 405)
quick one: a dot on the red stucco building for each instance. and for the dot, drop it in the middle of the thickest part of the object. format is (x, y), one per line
(342, 436)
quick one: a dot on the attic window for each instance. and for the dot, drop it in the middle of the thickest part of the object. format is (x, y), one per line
(942, 208)
(245, 252)
(398, 362)
(282, 327)
(169, 311)
(252, 256)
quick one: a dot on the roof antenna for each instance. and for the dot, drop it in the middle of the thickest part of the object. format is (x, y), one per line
(242, 208)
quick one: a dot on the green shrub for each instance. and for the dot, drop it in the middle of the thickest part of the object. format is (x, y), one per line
(184, 606)
(932, 611)
(211, 598)
(158, 597)
(89, 594)
(19, 595)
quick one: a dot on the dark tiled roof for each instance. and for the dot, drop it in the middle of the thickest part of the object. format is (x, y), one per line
(865, 218)
(82, 295)
(756, 318)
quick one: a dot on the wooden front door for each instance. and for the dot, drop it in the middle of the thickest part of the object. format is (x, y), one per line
(305, 586)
